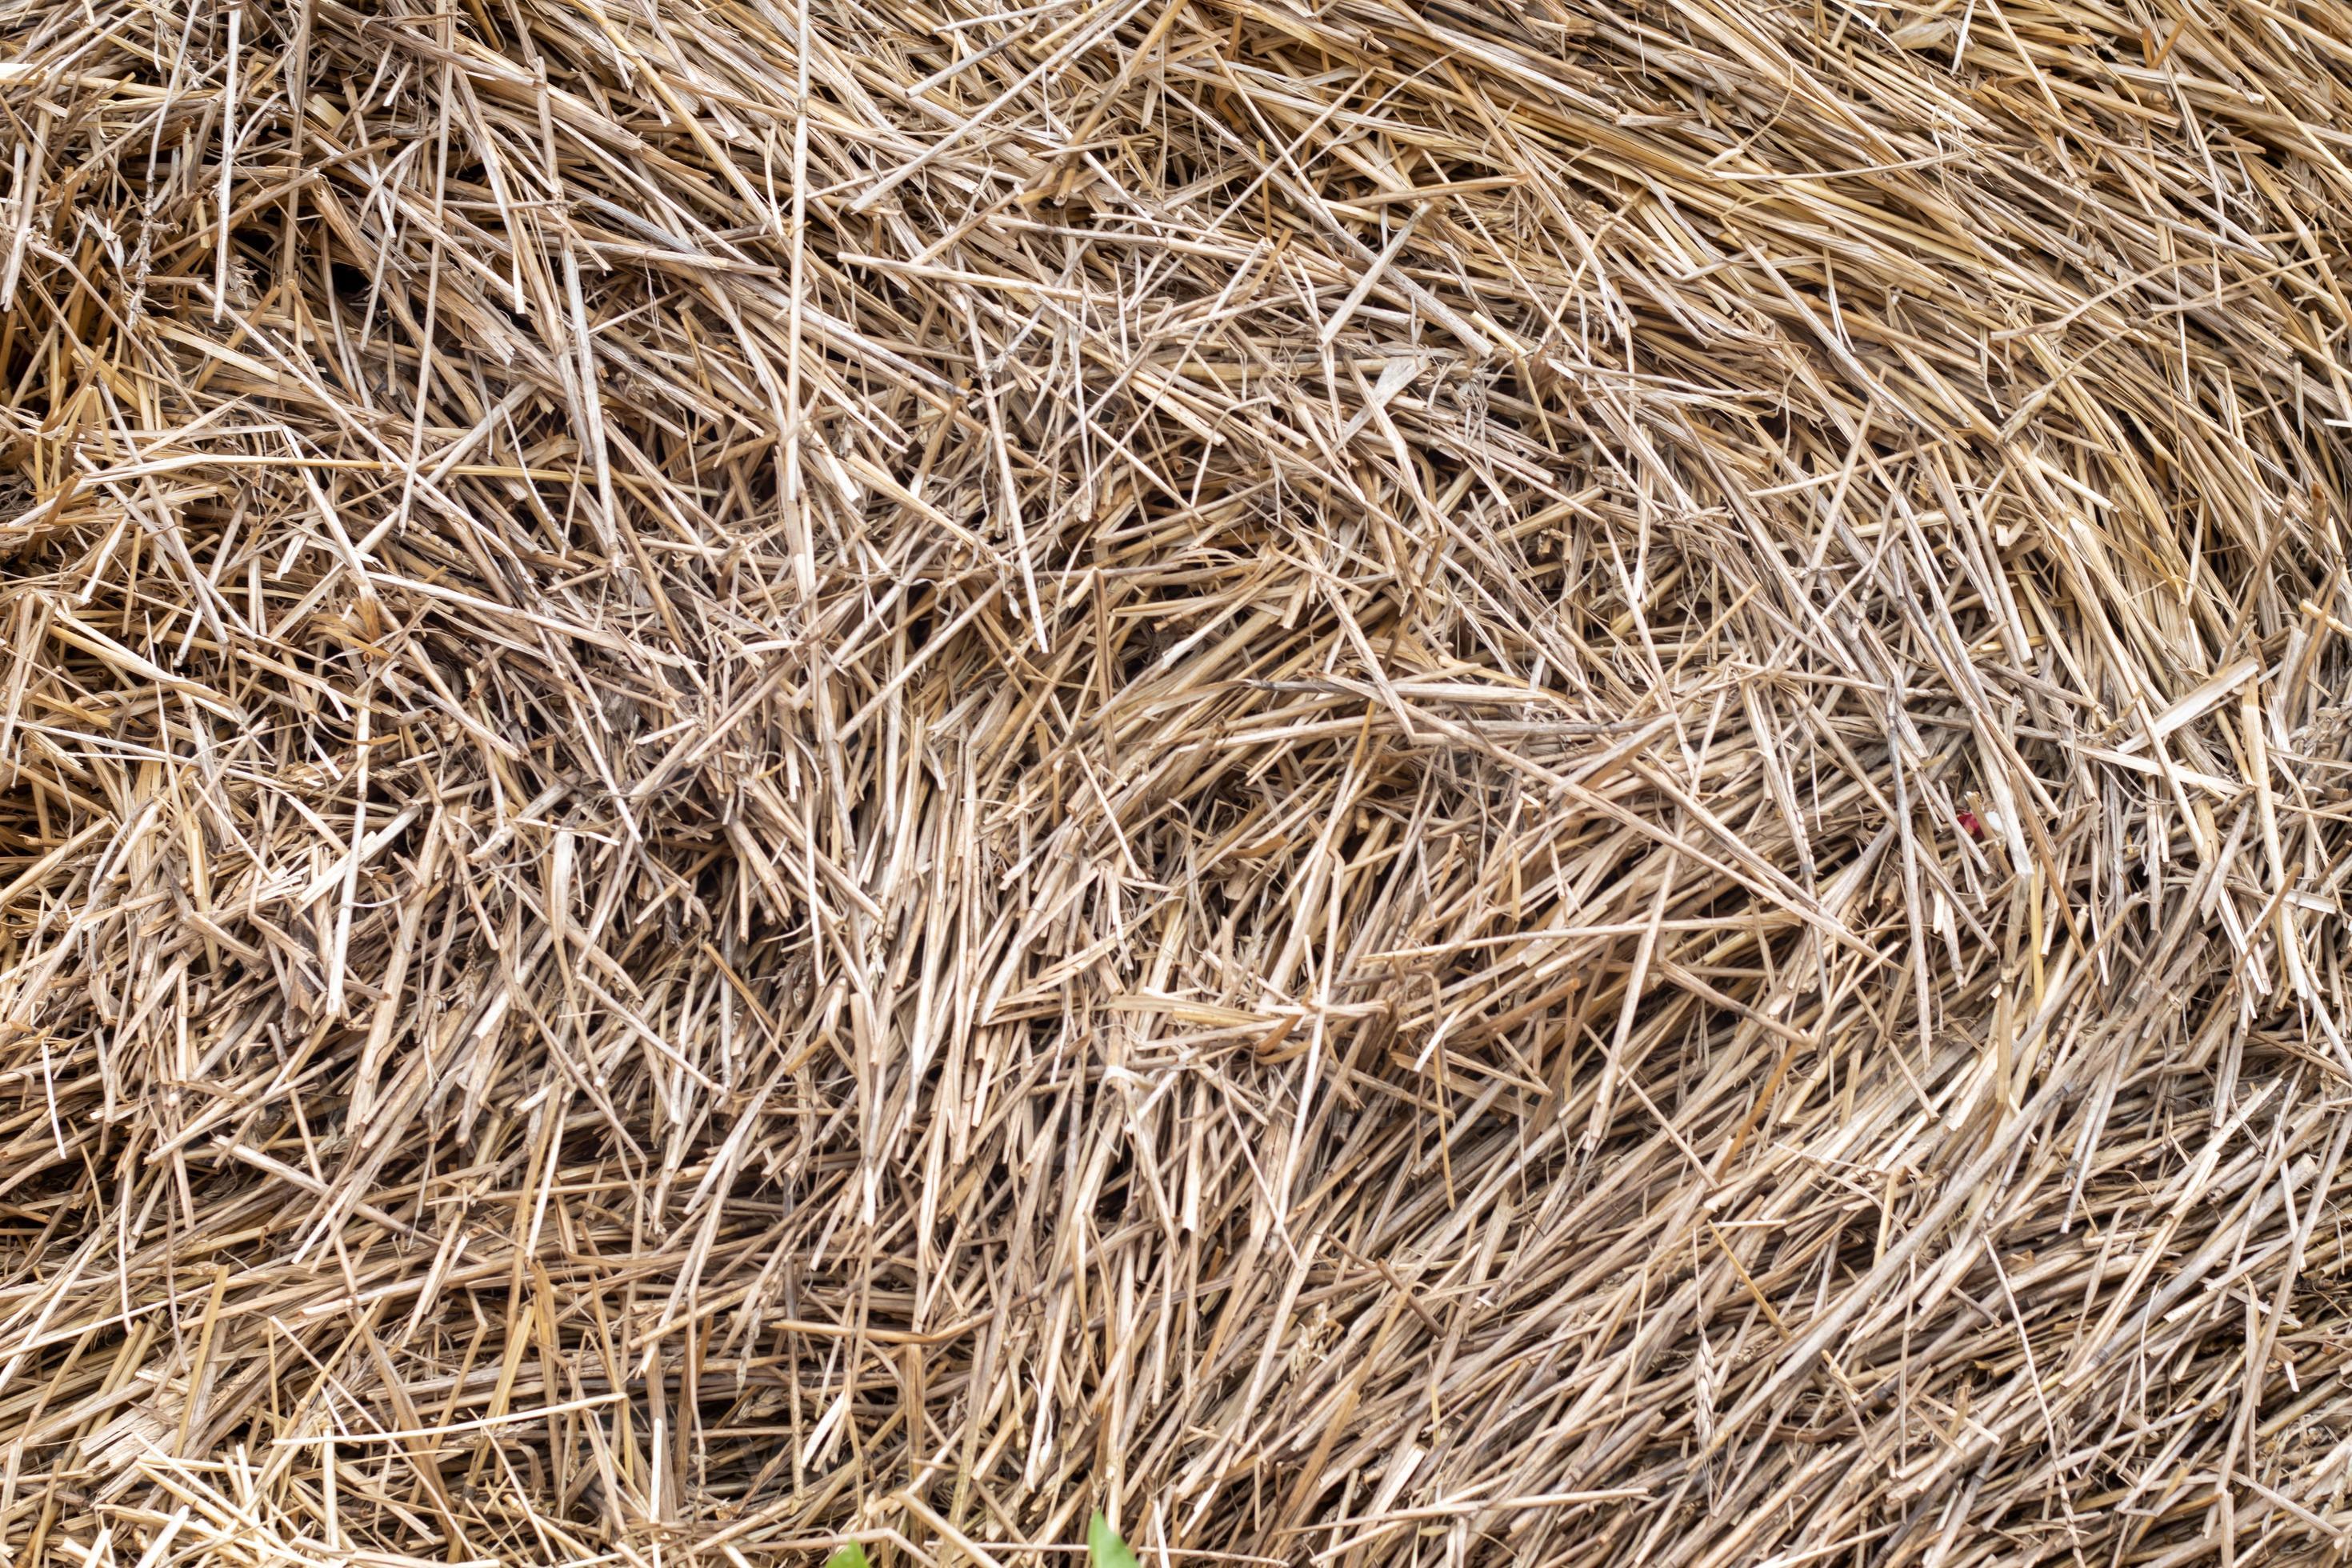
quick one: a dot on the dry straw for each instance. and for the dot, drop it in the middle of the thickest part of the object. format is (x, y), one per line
(1388, 781)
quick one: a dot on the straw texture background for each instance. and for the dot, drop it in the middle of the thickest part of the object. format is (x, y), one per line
(1390, 781)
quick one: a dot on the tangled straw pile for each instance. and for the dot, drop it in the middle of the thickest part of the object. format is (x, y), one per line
(1392, 781)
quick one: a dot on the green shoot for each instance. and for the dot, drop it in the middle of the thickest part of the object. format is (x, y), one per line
(1104, 1548)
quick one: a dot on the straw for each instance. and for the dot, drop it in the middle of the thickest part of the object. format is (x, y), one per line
(1385, 782)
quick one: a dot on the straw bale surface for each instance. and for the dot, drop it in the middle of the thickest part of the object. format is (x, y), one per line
(1390, 781)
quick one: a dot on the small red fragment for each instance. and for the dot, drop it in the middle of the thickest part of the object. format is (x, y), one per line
(1970, 825)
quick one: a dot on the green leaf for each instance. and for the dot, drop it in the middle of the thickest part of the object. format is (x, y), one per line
(1104, 1548)
(849, 1555)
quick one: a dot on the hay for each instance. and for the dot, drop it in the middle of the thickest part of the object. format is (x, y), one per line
(1390, 781)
